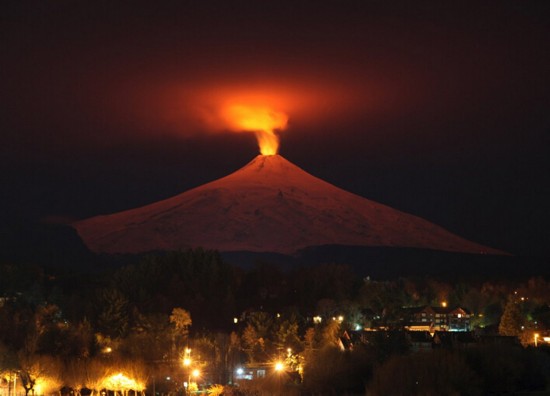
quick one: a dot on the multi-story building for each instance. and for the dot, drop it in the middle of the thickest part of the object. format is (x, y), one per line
(437, 318)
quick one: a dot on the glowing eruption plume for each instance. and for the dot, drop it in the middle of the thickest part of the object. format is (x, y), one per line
(263, 121)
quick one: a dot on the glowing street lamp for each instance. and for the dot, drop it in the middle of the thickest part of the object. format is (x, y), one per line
(186, 364)
(279, 366)
(195, 373)
(187, 357)
(536, 336)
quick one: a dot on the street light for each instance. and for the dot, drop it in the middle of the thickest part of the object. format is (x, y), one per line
(187, 357)
(195, 374)
(190, 373)
(536, 338)
(186, 364)
(279, 366)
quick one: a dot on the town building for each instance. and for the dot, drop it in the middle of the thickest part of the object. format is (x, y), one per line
(429, 318)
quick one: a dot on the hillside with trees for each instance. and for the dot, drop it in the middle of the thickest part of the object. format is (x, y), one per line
(128, 327)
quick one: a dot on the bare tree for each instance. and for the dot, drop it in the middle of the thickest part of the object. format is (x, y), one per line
(34, 369)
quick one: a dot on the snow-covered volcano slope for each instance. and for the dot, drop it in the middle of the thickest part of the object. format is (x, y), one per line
(269, 205)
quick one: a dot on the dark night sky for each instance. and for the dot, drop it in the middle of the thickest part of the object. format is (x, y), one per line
(440, 109)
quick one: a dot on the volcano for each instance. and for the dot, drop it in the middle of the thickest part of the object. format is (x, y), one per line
(269, 205)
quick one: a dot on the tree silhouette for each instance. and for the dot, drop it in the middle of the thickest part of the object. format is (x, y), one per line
(253, 344)
(113, 316)
(32, 368)
(181, 320)
(512, 318)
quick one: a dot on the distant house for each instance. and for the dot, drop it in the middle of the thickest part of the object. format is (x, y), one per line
(371, 318)
(264, 371)
(436, 318)
(252, 371)
(420, 327)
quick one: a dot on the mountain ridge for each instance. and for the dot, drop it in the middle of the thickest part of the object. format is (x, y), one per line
(269, 205)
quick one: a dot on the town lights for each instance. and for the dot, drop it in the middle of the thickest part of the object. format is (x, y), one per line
(122, 382)
(187, 357)
(195, 373)
(279, 366)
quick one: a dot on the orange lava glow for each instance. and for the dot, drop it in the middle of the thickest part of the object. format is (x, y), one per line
(262, 106)
(262, 120)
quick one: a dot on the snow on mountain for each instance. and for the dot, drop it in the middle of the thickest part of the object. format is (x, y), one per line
(269, 205)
